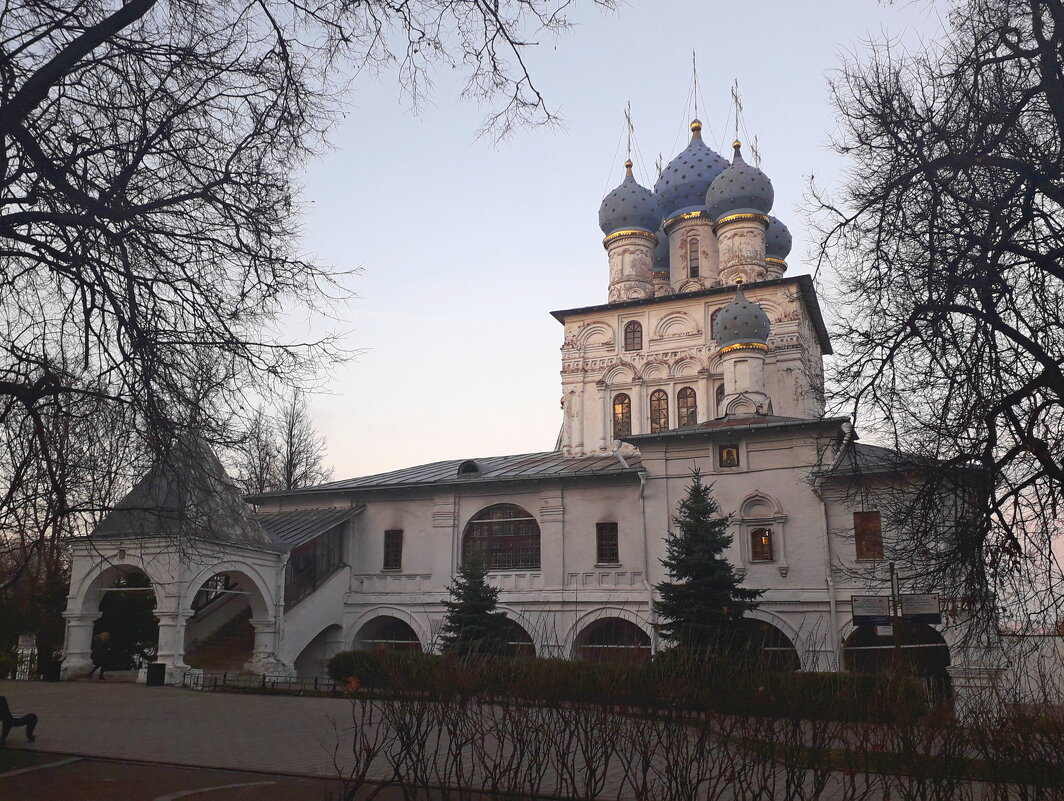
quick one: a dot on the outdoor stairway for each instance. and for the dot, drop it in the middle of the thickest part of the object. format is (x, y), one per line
(227, 649)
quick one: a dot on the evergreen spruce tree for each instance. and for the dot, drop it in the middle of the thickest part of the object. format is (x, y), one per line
(472, 627)
(703, 603)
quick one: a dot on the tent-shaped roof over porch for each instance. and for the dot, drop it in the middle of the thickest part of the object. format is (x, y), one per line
(186, 493)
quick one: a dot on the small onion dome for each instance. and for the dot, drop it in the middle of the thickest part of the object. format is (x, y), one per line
(661, 253)
(741, 322)
(682, 185)
(629, 206)
(740, 189)
(777, 239)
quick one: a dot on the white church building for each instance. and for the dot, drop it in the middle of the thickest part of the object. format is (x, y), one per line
(706, 355)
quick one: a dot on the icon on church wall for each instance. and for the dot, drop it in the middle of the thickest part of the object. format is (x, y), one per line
(728, 456)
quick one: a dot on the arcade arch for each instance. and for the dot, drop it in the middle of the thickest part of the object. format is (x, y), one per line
(386, 633)
(230, 621)
(914, 647)
(125, 601)
(612, 639)
(314, 658)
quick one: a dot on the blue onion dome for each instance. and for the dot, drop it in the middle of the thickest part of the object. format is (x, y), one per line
(682, 185)
(661, 253)
(740, 189)
(741, 322)
(777, 239)
(629, 206)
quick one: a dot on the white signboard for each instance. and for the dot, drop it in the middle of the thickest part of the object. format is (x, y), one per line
(920, 609)
(870, 610)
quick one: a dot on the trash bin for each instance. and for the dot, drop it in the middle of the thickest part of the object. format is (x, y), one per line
(51, 670)
(156, 674)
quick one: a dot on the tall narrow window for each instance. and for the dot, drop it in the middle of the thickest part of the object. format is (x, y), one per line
(868, 535)
(622, 416)
(606, 549)
(393, 549)
(633, 336)
(720, 400)
(686, 407)
(659, 411)
(761, 545)
(692, 258)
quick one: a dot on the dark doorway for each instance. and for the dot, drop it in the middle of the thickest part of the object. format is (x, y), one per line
(127, 612)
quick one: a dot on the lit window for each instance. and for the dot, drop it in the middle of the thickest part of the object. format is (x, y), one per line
(393, 549)
(504, 537)
(622, 416)
(761, 545)
(606, 549)
(692, 258)
(633, 336)
(686, 407)
(868, 535)
(659, 411)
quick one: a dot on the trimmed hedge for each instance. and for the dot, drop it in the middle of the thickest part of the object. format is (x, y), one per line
(673, 679)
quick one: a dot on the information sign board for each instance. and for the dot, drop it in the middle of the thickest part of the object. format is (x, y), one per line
(870, 610)
(921, 609)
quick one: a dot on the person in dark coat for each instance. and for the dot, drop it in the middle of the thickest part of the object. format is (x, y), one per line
(101, 650)
(9, 721)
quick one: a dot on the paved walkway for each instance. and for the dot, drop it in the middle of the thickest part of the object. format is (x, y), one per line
(277, 734)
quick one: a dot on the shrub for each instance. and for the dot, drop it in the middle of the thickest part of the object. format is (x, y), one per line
(675, 679)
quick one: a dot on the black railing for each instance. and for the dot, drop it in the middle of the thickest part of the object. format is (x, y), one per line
(220, 681)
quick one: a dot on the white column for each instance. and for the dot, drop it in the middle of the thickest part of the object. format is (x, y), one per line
(77, 644)
(638, 388)
(264, 657)
(171, 648)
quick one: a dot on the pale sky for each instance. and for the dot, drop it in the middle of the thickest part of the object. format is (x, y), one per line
(466, 244)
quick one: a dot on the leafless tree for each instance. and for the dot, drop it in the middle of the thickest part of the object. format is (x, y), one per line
(947, 242)
(282, 451)
(148, 219)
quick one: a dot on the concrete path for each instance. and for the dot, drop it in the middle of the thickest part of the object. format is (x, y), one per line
(277, 734)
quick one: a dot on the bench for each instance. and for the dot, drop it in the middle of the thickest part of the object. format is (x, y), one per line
(10, 721)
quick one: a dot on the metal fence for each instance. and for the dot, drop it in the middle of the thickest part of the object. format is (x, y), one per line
(199, 680)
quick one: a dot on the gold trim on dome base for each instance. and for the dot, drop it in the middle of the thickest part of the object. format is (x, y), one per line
(672, 222)
(742, 346)
(774, 260)
(746, 215)
(636, 232)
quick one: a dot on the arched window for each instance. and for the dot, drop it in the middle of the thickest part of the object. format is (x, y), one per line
(686, 407)
(659, 411)
(633, 336)
(761, 545)
(622, 416)
(692, 258)
(504, 536)
(720, 400)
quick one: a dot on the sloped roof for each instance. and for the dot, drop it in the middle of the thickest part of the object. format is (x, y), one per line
(186, 493)
(739, 423)
(522, 467)
(861, 458)
(291, 529)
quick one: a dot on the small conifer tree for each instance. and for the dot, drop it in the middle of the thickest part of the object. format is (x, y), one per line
(472, 626)
(703, 604)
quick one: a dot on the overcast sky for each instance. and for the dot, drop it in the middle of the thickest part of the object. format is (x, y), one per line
(466, 245)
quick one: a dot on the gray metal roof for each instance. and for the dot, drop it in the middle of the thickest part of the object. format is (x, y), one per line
(290, 529)
(861, 458)
(740, 424)
(186, 493)
(522, 467)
